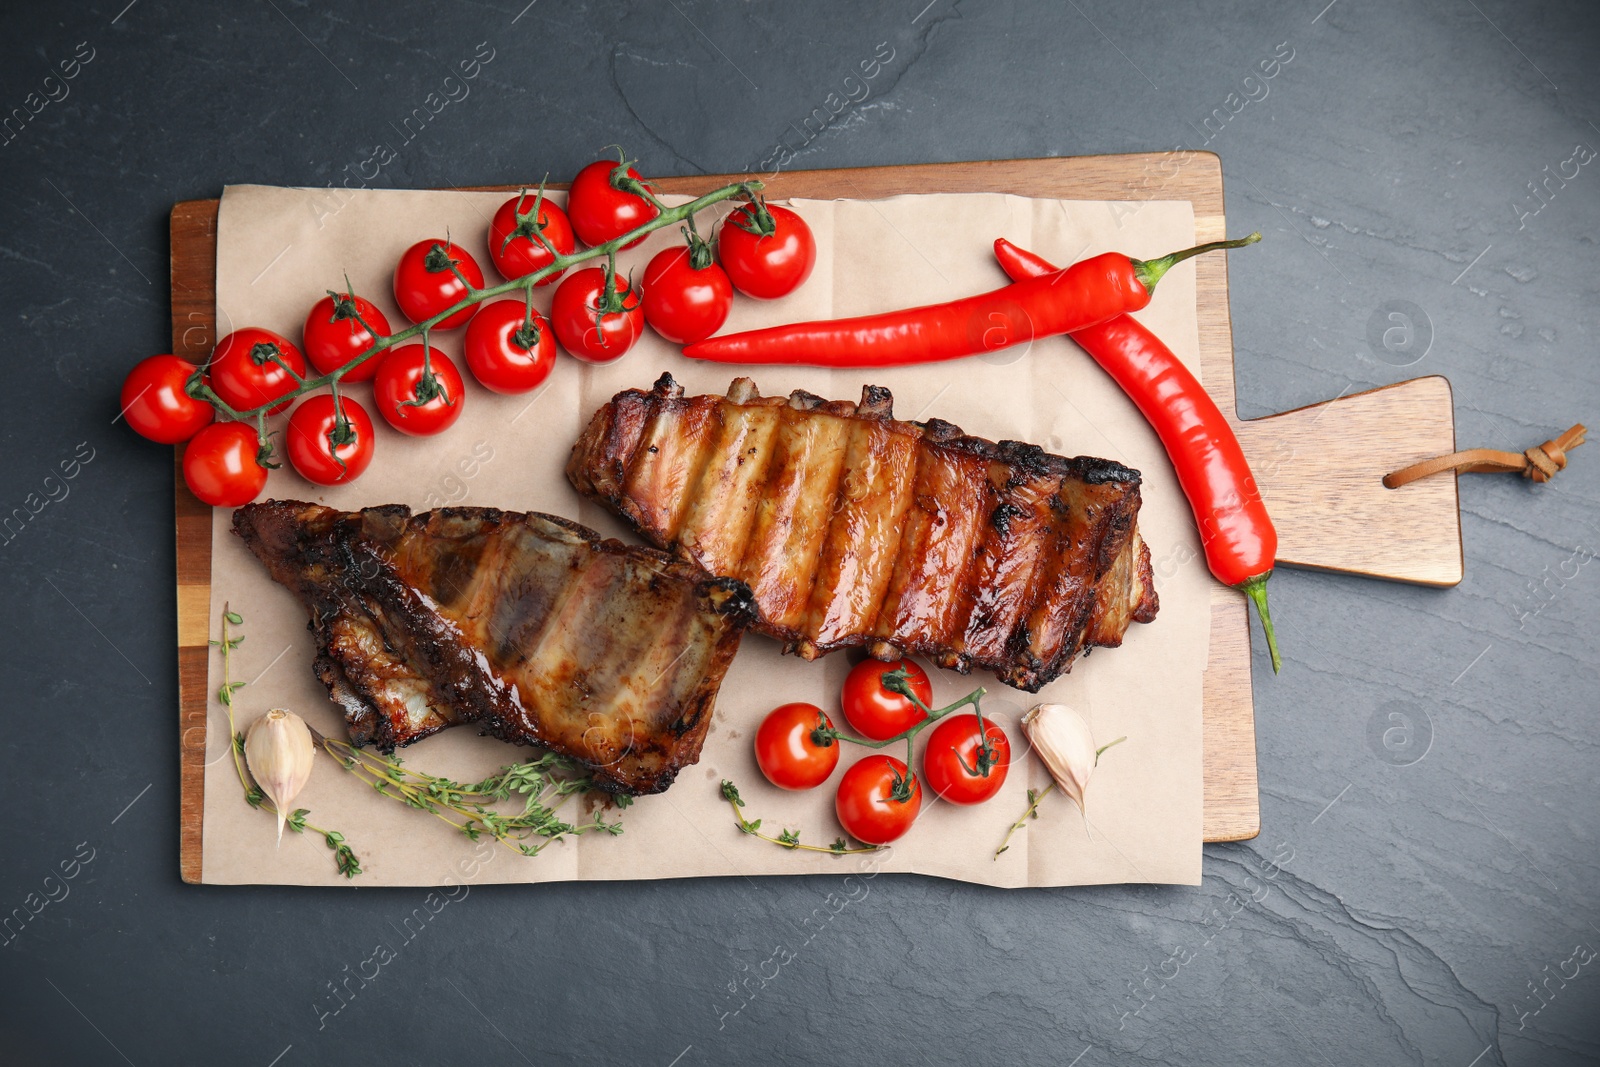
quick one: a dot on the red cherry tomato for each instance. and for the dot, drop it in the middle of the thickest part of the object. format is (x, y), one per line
(786, 751)
(321, 450)
(600, 212)
(251, 367)
(424, 284)
(334, 336)
(867, 805)
(417, 394)
(512, 245)
(155, 404)
(594, 317)
(683, 303)
(876, 712)
(220, 466)
(953, 762)
(504, 353)
(771, 266)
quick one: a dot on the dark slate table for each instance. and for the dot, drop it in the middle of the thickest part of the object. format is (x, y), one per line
(1436, 897)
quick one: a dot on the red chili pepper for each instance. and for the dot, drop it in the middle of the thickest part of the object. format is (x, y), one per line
(1082, 295)
(1236, 531)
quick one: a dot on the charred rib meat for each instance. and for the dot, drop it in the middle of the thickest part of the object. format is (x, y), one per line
(853, 528)
(528, 625)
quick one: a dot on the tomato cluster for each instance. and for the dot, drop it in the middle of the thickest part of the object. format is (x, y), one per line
(879, 797)
(597, 314)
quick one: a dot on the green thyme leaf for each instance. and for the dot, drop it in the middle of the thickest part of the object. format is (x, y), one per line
(345, 859)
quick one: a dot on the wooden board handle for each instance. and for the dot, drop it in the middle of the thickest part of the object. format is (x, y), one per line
(1321, 471)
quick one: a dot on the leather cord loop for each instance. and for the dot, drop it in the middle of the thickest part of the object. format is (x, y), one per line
(1539, 463)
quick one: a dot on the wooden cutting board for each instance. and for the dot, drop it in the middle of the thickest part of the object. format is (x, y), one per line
(1320, 467)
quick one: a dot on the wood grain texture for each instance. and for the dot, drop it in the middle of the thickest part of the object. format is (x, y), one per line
(194, 308)
(1320, 467)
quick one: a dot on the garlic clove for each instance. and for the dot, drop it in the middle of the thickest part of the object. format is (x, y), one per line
(279, 751)
(1066, 746)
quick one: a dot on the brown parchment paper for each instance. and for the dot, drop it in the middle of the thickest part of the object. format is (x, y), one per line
(279, 249)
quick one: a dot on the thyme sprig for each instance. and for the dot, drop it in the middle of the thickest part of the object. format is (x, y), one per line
(789, 839)
(344, 857)
(1037, 795)
(544, 784)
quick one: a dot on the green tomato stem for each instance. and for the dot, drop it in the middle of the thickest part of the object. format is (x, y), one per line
(667, 217)
(933, 715)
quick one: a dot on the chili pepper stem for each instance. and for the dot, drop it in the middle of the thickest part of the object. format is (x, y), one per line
(1256, 589)
(1150, 271)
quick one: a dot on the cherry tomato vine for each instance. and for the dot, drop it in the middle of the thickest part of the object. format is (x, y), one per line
(199, 385)
(889, 791)
(899, 681)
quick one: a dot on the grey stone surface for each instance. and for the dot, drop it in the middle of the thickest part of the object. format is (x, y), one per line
(1424, 891)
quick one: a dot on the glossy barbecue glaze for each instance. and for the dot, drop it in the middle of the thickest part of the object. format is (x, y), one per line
(852, 528)
(530, 626)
